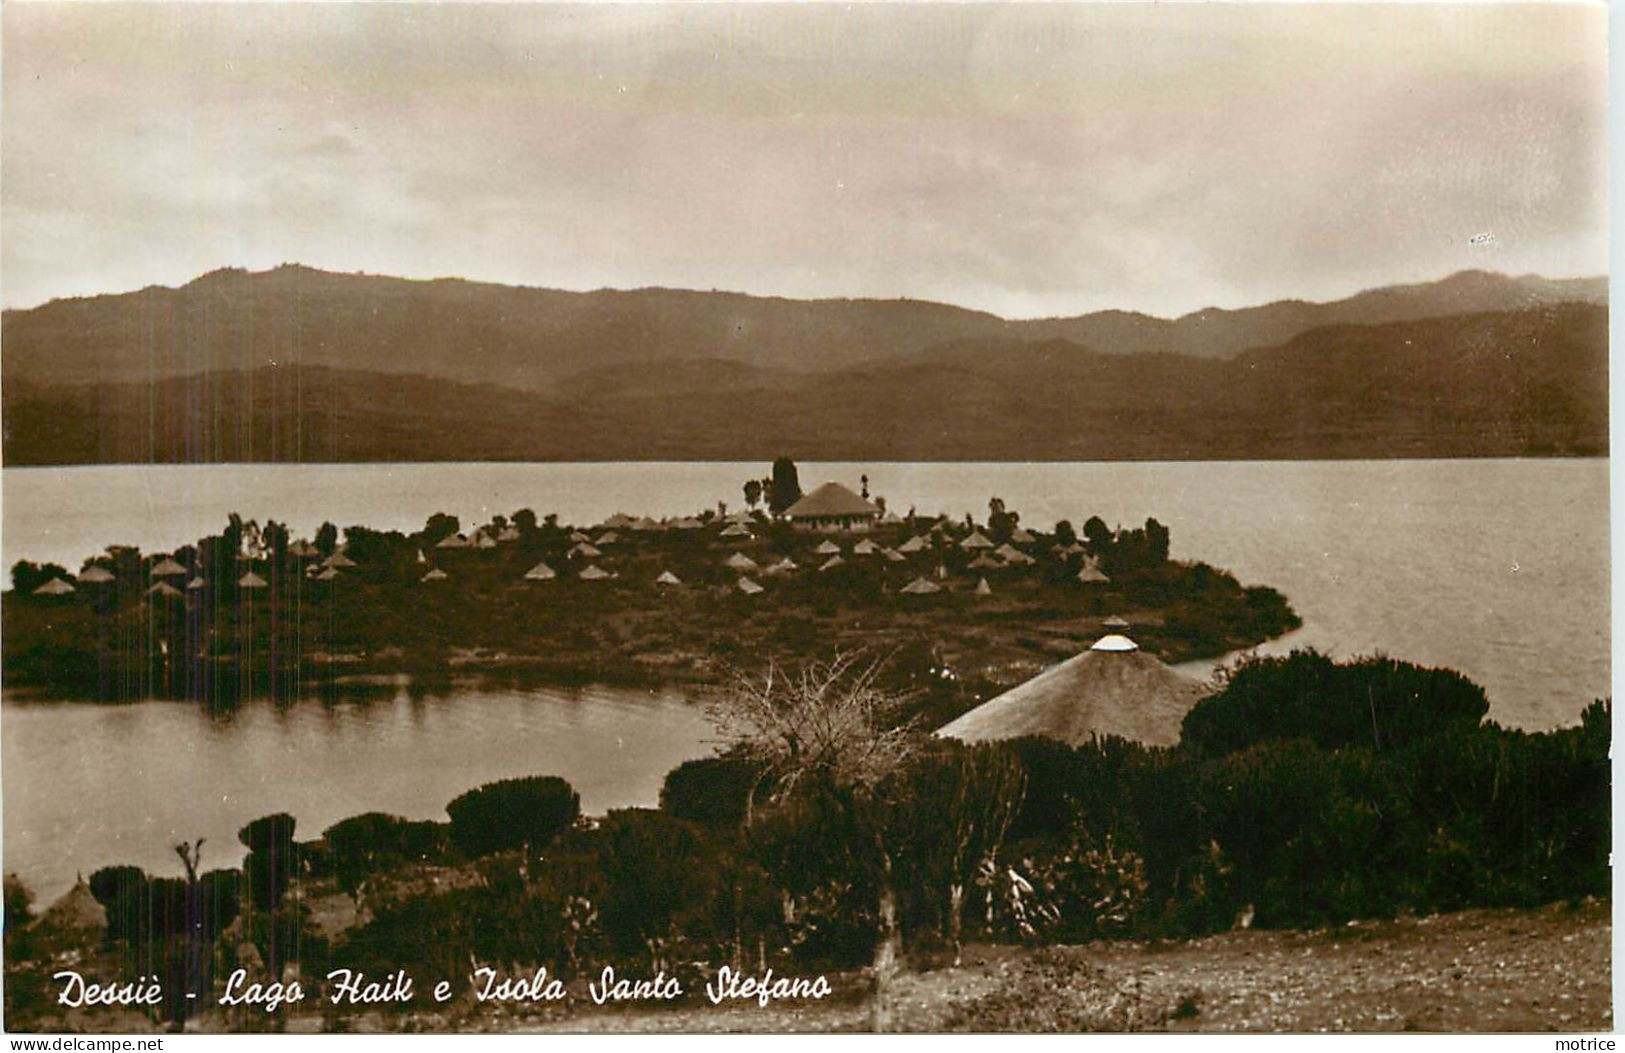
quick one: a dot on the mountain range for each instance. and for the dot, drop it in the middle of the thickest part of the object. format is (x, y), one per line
(296, 364)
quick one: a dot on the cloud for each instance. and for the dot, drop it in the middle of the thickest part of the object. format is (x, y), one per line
(1027, 159)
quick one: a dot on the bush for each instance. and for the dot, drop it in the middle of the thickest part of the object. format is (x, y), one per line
(1376, 703)
(711, 791)
(510, 814)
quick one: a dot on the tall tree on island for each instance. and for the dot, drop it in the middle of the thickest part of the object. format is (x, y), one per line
(786, 486)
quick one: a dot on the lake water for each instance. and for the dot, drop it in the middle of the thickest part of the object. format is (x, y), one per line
(90, 785)
(1497, 568)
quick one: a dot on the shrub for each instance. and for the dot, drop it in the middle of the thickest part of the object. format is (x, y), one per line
(711, 791)
(512, 813)
(1376, 703)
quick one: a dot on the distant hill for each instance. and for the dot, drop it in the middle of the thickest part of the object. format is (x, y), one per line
(537, 339)
(1531, 382)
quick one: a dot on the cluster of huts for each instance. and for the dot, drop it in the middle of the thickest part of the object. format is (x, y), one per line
(832, 511)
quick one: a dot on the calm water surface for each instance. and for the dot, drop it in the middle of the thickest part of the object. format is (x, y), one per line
(89, 785)
(1498, 568)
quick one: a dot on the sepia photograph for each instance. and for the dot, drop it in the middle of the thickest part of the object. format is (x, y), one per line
(1022, 518)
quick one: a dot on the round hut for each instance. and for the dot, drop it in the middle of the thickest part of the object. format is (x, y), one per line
(1114, 688)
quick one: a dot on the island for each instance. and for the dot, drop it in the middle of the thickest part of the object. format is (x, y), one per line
(958, 609)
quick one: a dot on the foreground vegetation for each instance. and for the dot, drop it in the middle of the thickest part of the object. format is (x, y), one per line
(832, 838)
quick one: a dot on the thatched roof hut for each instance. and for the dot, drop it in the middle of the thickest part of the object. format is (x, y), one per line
(197, 584)
(917, 543)
(1020, 537)
(983, 588)
(783, 566)
(95, 575)
(583, 551)
(76, 912)
(832, 506)
(541, 572)
(740, 561)
(832, 562)
(828, 548)
(920, 587)
(168, 568)
(1091, 574)
(165, 589)
(1114, 688)
(54, 587)
(452, 541)
(1013, 555)
(436, 575)
(976, 540)
(328, 574)
(591, 573)
(736, 530)
(339, 560)
(608, 537)
(865, 548)
(254, 581)
(668, 578)
(748, 587)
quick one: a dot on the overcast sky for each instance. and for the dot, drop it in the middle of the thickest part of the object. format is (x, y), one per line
(1027, 160)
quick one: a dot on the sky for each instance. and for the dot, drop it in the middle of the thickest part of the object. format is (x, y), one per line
(1029, 160)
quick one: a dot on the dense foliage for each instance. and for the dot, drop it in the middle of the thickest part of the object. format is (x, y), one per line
(1307, 792)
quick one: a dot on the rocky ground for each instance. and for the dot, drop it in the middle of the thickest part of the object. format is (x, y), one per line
(1492, 971)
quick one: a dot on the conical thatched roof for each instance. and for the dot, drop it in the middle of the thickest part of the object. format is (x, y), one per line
(168, 568)
(921, 587)
(1021, 537)
(164, 588)
(748, 587)
(452, 541)
(54, 587)
(608, 537)
(1103, 691)
(196, 584)
(688, 523)
(893, 555)
(76, 911)
(436, 575)
(340, 560)
(832, 562)
(985, 562)
(618, 521)
(591, 573)
(96, 575)
(252, 581)
(865, 548)
(828, 548)
(585, 551)
(483, 540)
(509, 534)
(578, 537)
(736, 530)
(740, 561)
(976, 540)
(831, 499)
(541, 572)
(983, 588)
(328, 574)
(1011, 554)
(1093, 575)
(667, 578)
(783, 566)
(914, 544)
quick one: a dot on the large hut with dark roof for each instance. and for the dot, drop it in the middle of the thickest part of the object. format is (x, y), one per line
(832, 507)
(1114, 688)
